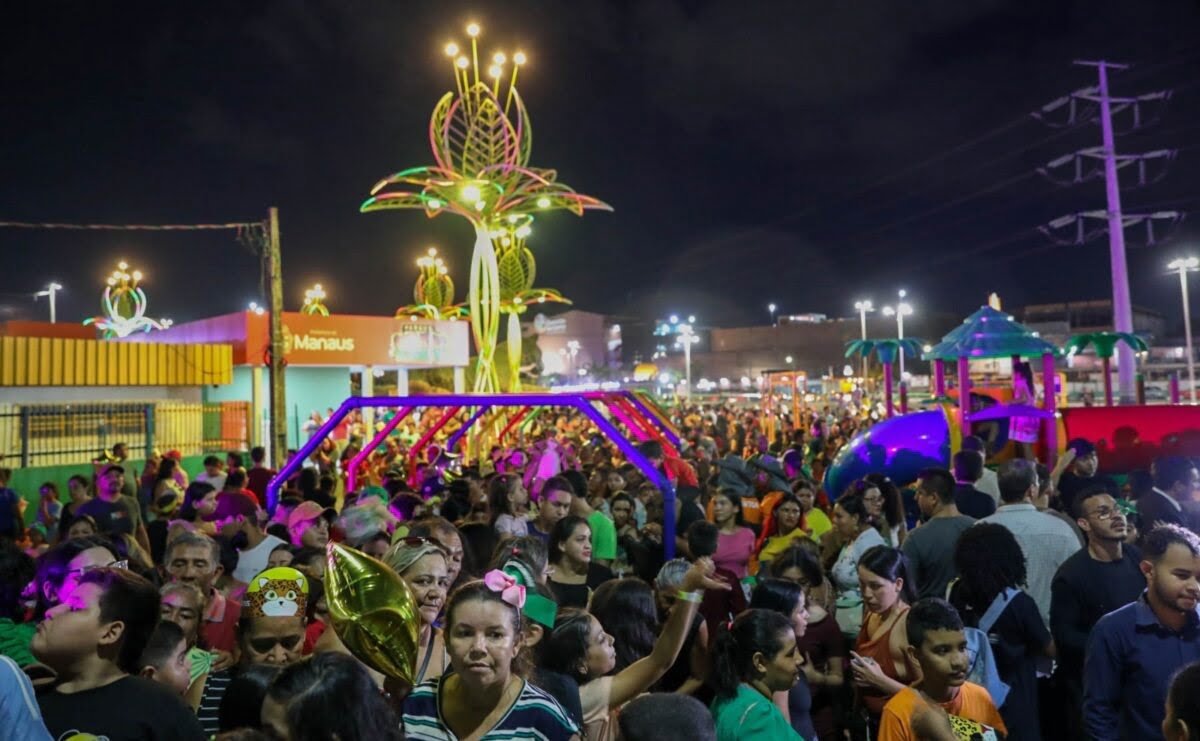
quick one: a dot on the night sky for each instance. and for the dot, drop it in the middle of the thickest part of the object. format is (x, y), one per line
(798, 152)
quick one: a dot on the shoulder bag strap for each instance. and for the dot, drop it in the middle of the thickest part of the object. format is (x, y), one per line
(997, 608)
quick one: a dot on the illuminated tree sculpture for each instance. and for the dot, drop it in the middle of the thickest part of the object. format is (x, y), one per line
(123, 305)
(481, 140)
(433, 292)
(517, 270)
(314, 302)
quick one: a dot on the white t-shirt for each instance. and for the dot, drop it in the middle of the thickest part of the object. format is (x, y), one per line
(254, 560)
(217, 481)
(509, 525)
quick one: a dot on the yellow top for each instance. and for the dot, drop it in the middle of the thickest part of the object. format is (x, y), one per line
(777, 544)
(818, 522)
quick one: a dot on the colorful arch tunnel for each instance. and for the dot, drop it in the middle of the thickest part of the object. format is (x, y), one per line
(639, 420)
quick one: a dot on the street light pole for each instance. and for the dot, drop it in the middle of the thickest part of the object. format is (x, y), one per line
(863, 307)
(1183, 266)
(900, 310)
(50, 292)
(687, 338)
(771, 308)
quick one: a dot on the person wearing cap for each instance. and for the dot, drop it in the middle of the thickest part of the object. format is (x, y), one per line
(1079, 465)
(120, 456)
(114, 512)
(308, 525)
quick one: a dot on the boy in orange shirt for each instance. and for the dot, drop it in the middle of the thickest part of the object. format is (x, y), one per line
(962, 710)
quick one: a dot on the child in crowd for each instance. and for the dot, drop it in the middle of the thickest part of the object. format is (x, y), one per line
(165, 657)
(93, 640)
(937, 643)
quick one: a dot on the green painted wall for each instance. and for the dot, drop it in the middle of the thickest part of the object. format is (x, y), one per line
(27, 481)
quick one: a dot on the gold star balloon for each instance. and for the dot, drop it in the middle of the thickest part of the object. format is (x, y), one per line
(373, 611)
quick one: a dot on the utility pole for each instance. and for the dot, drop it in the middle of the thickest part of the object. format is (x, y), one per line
(1122, 307)
(1115, 221)
(278, 406)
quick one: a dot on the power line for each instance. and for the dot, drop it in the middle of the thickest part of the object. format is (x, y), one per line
(940, 208)
(237, 225)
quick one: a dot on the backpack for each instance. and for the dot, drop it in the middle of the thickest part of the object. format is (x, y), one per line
(983, 670)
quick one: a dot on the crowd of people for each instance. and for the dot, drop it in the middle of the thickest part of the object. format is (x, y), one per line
(1015, 603)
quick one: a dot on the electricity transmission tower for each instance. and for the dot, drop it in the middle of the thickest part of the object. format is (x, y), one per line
(1097, 104)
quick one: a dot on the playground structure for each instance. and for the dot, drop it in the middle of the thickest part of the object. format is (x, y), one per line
(781, 390)
(1127, 437)
(606, 410)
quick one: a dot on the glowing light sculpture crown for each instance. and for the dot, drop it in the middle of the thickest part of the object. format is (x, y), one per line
(433, 292)
(481, 147)
(314, 301)
(123, 305)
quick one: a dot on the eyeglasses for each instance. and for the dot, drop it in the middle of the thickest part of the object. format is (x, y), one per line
(1105, 513)
(120, 565)
(266, 643)
(416, 541)
(873, 500)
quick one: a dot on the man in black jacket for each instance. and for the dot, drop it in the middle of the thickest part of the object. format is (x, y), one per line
(1175, 479)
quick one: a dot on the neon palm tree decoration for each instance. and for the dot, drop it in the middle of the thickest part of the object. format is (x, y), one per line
(1105, 344)
(314, 302)
(518, 268)
(433, 292)
(123, 305)
(887, 351)
(481, 140)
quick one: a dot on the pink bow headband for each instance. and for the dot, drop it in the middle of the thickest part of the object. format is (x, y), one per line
(510, 591)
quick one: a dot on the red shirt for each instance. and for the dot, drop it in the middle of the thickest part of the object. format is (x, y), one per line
(679, 472)
(220, 622)
(256, 482)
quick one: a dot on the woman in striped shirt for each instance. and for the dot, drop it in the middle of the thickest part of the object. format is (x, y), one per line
(485, 697)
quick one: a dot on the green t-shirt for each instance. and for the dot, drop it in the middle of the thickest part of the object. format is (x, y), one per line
(14, 641)
(604, 536)
(750, 715)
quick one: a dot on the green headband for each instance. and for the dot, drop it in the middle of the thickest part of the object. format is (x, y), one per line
(537, 608)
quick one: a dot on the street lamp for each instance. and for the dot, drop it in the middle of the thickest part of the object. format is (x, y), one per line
(687, 338)
(863, 307)
(900, 311)
(1185, 265)
(50, 292)
(771, 308)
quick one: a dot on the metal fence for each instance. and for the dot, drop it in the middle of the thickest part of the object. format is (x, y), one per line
(34, 435)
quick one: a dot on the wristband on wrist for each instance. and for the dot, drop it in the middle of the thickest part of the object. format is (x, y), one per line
(690, 596)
